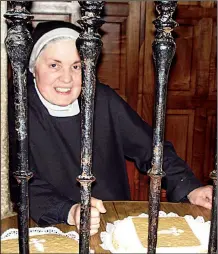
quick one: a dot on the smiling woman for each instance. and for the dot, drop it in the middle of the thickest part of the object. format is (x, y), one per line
(55, 134)
(55, 64)
(54, 87)
(58, 72)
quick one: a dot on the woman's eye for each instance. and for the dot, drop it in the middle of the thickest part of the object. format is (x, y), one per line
(53, 65)
(77, 67)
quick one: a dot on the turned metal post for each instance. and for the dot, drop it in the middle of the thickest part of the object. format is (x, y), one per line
(163, 52)
(212, 248)
(89, 45)
(18, 44)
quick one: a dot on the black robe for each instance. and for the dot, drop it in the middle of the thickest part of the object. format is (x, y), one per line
(119, 134)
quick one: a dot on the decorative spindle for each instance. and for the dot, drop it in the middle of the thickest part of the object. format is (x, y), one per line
(89, 45)
(163, 52)
(18, 45)
(212, 248)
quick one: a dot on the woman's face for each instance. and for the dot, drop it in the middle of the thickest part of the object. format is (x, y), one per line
(58, 72)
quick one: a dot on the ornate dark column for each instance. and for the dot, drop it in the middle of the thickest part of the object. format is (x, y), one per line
(212, 248)
(18, 44)
(163, 52)
(89, 45)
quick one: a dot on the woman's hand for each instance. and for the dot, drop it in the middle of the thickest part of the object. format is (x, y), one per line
(202, 196)
(97, 207)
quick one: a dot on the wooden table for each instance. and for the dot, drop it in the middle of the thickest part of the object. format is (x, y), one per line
(119, 210)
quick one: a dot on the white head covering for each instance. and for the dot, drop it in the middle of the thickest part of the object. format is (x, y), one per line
(46, 38)
(54, 110)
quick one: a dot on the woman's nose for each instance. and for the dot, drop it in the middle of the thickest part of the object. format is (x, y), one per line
(66, 76)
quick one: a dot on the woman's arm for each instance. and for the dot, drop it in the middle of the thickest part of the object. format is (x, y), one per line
(136, 137)
(47, 207)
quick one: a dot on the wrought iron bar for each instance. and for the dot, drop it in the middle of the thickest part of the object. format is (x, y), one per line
(89, 45)
(18, 44)
(212, 247)
(163, 52)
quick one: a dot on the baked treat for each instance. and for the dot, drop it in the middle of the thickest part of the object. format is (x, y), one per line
(170, 232)
(174, 236)
(50, 243)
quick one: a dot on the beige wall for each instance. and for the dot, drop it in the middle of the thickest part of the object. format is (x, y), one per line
(5, 199)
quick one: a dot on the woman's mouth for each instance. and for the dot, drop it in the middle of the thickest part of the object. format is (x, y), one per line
(63, 90)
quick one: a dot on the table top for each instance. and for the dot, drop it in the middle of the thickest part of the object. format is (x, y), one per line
(118, 210)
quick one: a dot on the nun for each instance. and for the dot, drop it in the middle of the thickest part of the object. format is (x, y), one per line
(54, 88)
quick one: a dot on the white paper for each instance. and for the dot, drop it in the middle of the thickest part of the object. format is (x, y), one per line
(131, 243)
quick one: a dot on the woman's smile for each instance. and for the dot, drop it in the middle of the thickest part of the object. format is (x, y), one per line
(63, 90)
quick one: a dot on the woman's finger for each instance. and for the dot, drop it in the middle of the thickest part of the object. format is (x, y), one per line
(96, 226)
(93, 232)
(95, 221)
(95, 212)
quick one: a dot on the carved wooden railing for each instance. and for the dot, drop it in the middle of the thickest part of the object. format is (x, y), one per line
(89, 45)
(163, 52)
(18, 45)
(212, 247)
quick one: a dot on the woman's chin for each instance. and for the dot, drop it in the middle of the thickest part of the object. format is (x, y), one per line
(63, 103)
